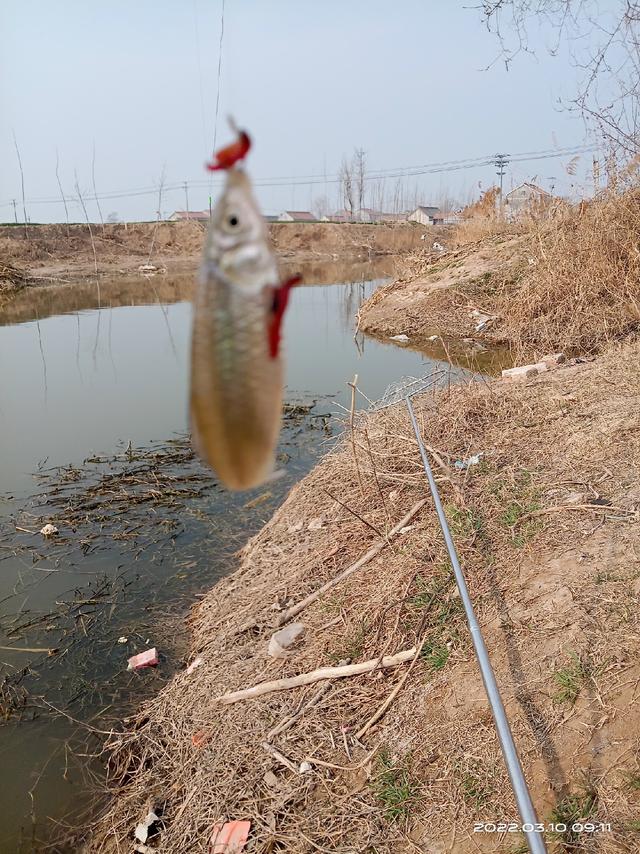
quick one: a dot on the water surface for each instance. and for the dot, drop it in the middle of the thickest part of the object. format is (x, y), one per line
(97, 383)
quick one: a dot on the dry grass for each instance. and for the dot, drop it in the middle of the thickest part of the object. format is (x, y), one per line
(573, 285)
(420, 777)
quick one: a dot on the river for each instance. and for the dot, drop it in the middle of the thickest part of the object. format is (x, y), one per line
(93, 422)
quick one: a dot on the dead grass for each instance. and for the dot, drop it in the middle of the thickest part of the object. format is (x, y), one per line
(431, 766)
(573, 285)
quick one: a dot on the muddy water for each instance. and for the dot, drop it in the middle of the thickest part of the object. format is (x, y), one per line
(97, 384)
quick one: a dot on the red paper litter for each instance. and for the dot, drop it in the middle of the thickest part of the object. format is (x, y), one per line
(229, 838)
(148, 658)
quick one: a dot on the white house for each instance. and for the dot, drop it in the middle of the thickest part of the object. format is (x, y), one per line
(180, 216)
(523, 198)
(424, 214)
(296, 216)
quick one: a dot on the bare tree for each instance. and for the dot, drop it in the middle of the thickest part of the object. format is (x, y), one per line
(93, 182)
(345, 177)
(320, 207)
(24, 204)
(605, 47)
(158, 212)
(359, 169)
(64, 201)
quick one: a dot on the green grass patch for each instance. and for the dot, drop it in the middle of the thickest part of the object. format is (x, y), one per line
(578, 807)
(570, 679)
(394, 787)
(435, 654)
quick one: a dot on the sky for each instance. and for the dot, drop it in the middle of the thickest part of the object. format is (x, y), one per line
(127, 91)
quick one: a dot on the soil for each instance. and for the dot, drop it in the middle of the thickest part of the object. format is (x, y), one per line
(61, 253)
(442, 295)
(406, 759)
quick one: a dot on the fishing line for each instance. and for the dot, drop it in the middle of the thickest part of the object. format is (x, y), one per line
(215, 120)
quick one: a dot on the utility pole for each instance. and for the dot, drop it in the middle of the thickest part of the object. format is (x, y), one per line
(15, 212)
(500, 161)
(186, 198)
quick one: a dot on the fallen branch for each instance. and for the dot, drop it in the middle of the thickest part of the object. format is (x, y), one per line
(373, 551)
(317, 676)
(385, 705)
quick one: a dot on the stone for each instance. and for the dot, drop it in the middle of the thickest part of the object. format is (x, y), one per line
(282, 641)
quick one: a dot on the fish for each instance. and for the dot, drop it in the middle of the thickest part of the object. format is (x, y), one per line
(237, 369)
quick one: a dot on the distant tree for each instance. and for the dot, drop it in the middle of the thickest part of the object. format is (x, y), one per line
(321, 207)
(359, 170)
(345, 176)
(114, 217)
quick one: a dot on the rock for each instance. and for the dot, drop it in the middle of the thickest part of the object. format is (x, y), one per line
(283, 640)
(305, 767)
(403, 338)
(297, 526)
(148, 658)
(316, 524)
(433, 338)
(554, 359)
(524, 371)
(49, 530)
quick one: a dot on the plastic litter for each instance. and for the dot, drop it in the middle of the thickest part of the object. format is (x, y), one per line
(470, 461)
(148, 658)
(403, 338)
(229, 838)
(141, 832)
(281, 641)
(49, 530)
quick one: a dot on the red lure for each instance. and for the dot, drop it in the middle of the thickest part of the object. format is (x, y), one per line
(229, 156)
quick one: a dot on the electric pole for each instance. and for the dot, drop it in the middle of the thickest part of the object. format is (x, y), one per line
(15, 212)
(500, 161)
(186, 198)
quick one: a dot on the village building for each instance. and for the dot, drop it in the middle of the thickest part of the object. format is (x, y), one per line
(297, 216)
(424, 214)
(199, 216)
(524, 198)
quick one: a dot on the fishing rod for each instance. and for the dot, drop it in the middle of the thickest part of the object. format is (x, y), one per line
(534, 837)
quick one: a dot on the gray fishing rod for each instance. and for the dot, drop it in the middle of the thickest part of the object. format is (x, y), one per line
(535, 839)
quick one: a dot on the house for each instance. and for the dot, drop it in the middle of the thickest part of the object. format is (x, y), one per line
(296, 216)
(180, 216)
(524, 198)
(271, 217)
(447, 218)
(424, 214)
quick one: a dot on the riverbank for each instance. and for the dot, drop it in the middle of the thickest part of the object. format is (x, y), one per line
(568, 281)
(45, 254)
(406, 758)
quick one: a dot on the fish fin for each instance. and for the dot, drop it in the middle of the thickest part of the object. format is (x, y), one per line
(227, 157)
(278, 307)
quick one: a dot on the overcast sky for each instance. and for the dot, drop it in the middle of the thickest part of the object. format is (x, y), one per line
(403, 79)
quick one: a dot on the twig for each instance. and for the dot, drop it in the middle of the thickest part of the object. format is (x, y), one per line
(353, 386)
(317, 676)
(354, 513)
(280, 757)
(373, 551)
(289, 722)
(596, 508)
(383, 708)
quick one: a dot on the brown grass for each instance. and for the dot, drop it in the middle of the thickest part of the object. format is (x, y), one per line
(421, 776)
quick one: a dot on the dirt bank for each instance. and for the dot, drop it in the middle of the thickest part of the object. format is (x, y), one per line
(569, 280)
(61, 252)
(406, 759)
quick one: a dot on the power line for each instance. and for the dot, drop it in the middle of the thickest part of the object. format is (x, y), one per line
(380, 174)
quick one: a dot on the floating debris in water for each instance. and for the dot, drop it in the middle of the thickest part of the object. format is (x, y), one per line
(49, 530)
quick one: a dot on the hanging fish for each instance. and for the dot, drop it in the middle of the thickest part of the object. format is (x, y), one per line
(236, 363)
